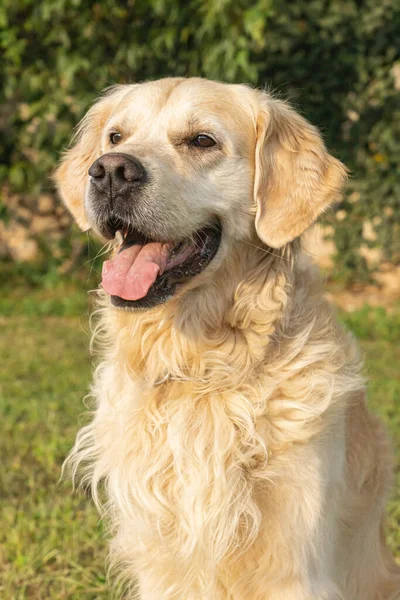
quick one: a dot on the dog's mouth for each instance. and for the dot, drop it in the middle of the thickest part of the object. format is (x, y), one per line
(145, 272)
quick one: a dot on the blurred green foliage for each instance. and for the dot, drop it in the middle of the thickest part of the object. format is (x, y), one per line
(336, 60)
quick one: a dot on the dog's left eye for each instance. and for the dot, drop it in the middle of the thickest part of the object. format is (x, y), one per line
(203, 141)
(115, 137)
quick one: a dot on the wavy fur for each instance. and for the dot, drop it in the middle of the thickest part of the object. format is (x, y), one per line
(230, 447)
(256, 371)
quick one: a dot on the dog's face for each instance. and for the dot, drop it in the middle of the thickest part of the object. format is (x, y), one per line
(183, 169)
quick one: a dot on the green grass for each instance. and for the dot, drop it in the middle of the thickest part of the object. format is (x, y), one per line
(51, 542)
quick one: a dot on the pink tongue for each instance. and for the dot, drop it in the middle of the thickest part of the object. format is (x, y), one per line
(132, 272)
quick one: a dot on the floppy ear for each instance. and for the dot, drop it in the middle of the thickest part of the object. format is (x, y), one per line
(71, 176)
(295, 177)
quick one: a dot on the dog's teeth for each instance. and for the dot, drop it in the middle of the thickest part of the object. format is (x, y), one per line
(119, 237)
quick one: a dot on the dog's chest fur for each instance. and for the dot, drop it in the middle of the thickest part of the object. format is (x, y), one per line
(178, 464)
(189, 429)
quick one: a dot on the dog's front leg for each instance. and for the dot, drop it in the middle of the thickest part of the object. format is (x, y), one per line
(295, 555)
(313, 590)
(174, 587)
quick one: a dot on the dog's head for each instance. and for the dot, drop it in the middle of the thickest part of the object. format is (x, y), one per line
(183, 169)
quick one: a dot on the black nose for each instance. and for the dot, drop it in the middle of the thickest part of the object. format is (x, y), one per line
(116, 173)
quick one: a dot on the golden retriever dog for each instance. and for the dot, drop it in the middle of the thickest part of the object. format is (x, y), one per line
(231, 449)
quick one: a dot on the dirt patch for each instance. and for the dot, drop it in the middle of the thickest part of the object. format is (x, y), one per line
(385, 291)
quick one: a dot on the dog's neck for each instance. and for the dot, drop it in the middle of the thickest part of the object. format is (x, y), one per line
(212, 334)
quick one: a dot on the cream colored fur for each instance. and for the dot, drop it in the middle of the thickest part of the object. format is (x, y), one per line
(230, 449)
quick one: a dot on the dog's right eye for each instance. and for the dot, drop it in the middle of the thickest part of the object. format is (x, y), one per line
(115, 137)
